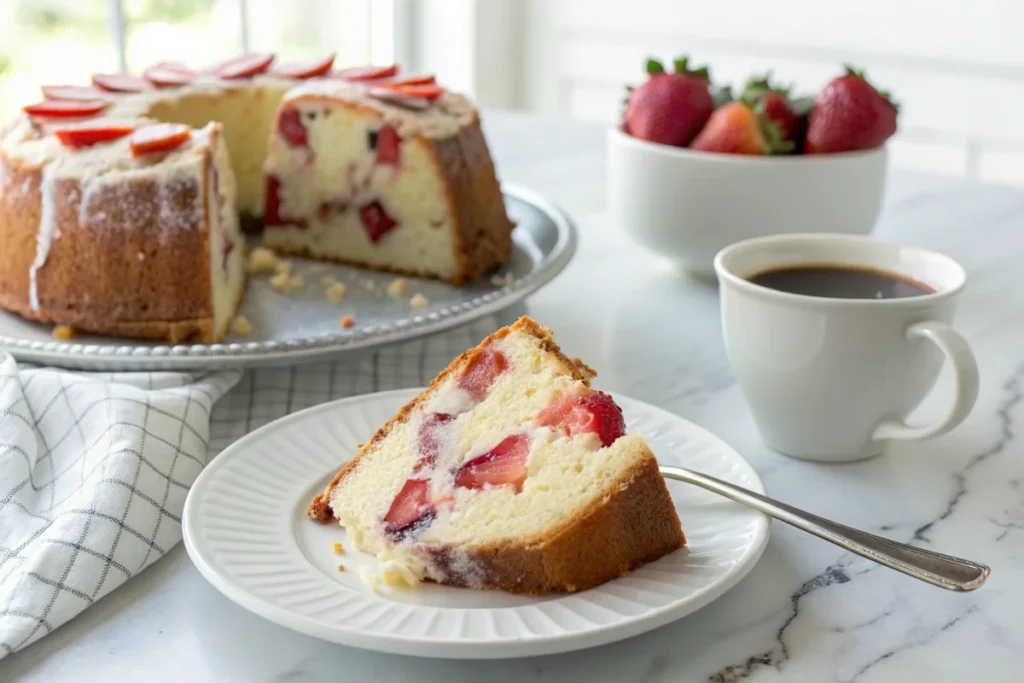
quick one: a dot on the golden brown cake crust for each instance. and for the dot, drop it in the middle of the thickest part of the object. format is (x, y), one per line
(137, 268)
(635, 524)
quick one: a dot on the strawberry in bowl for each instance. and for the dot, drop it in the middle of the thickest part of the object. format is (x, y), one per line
(761, 163)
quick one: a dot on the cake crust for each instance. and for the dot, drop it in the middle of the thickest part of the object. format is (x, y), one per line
(634, 524)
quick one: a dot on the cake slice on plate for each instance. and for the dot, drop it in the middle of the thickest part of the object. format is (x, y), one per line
(508, 472)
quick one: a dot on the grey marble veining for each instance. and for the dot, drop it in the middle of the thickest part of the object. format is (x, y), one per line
(808, 611)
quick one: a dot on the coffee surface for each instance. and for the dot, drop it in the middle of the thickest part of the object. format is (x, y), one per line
(840, 282)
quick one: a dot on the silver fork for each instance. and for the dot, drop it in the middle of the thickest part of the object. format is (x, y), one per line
(944, 571)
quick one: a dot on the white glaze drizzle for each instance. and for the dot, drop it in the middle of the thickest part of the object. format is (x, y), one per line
(47, 233)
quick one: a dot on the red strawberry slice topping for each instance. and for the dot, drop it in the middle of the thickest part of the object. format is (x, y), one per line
(173, 66)
(245, 66)
(272, 217)
(429, 91)
(484, 367)
(121, 83)
(366, 73)
(376, 221)
(159, 137)
(310, 70)
(67, 108)
(72, 92)
(594, 411)
(397, 97)
(415, 79)
(168, 76)
(91, 133)
(291, 128)
(411, 509)
(388, 145)
(428, 441)
(505, 464)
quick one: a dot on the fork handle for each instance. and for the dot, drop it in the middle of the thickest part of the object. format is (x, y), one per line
(944, 571)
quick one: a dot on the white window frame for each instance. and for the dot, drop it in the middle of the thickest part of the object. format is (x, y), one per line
(389, 31)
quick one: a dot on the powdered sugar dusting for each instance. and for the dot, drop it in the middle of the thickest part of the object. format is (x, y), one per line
(47, 233)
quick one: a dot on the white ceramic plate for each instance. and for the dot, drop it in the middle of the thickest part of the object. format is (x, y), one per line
(304, 326)
(245, 529)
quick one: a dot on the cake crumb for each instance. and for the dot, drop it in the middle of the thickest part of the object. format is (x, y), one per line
(335, 291)
(262, 261)
(282, 266)
(368, 285)
(338, 548)
(64, 332)
(347, 321)
(285, 282)
(418, 301)
(397, 287)
(341, 567)
(502, 280)
(241, 325)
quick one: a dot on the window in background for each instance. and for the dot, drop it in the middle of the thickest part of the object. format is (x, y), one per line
(66, 41)
(50, 41)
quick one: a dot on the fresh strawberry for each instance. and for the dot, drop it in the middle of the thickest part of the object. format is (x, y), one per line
(414, 79)
(505, 464)
(92, 132)
(72, 92)
(774, 103)
(272, 208)
(669, 108)
(850, 114)
(311, 70)
(121, 83)
(410, 509)
(399, 97)
(430, 91)
(591, 411)
(169, 75)
(376, 221)
(736, 129)
(291, 128)
(159, 137)
(66, 108)
(245, 66)
(483, 368)
(366, 73)
(387, 143)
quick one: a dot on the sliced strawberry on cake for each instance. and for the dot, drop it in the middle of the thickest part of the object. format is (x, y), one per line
(508, 472)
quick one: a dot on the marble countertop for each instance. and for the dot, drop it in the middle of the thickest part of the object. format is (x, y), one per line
(808, 611)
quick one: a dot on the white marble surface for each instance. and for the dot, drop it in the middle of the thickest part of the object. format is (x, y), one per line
(808, 611)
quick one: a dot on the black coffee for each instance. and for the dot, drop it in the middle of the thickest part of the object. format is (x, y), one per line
(840, 282)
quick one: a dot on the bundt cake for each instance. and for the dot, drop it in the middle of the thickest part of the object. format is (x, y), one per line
(508, 472)
(121, 202)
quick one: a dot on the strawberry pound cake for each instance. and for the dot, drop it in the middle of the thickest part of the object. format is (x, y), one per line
(509, 472)
(121, 201)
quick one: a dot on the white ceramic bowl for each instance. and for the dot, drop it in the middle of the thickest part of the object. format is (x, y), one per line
(687, 205)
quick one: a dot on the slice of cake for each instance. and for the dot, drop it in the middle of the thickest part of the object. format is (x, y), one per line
(508, 472)
(396, 179)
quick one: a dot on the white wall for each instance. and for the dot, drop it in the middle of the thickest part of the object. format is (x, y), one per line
(956, 66)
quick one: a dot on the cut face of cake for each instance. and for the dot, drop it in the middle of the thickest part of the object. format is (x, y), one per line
(508, 472)
(378, 179)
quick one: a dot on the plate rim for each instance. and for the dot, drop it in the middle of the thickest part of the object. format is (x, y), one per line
(464, 648)
(129, 356)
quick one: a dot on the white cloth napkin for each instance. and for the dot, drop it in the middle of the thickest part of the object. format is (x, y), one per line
(95, 467)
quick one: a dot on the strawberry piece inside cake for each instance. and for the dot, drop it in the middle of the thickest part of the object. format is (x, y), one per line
(508, 472)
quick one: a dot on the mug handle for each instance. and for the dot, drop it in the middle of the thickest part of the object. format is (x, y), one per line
(965, 377)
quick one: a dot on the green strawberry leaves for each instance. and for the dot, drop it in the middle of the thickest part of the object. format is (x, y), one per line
(850, 70)
(681, 65)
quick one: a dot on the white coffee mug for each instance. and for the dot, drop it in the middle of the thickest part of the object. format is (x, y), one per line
(834, 379)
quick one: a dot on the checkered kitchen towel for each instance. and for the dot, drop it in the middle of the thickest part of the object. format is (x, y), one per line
(94, 468)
